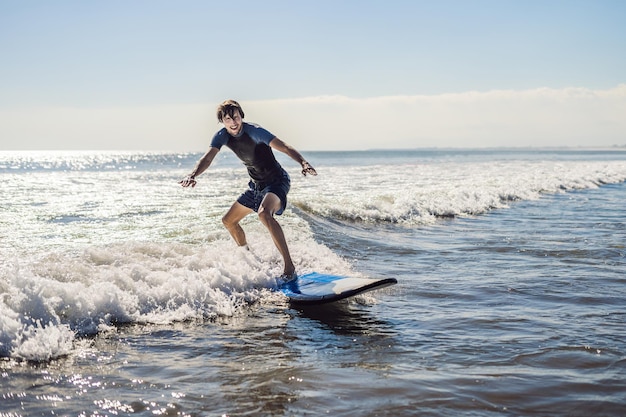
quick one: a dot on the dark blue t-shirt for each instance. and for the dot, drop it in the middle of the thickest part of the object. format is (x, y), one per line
(252, 146)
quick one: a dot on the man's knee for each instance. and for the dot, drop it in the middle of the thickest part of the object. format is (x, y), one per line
(228, 222)
(269, 206)
(265, 215)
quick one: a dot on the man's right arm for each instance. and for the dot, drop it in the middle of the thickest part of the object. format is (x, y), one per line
(203, 164)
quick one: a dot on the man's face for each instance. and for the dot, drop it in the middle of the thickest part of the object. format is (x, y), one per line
(233, 124)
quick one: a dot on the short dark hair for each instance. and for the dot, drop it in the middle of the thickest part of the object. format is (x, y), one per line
(228, 108)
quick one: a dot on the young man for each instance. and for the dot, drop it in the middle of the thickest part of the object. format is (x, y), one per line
(269, 184)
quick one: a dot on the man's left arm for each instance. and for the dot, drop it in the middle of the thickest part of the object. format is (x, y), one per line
(290, 151)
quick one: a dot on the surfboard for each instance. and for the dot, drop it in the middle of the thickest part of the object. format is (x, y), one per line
(317, 288)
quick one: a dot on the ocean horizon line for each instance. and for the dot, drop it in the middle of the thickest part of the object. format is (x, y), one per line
(619, 147)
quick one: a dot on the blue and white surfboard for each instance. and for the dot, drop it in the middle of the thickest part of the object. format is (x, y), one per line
(316, 288)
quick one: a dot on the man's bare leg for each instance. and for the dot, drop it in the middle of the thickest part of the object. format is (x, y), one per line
(269, 206)
(231, 221)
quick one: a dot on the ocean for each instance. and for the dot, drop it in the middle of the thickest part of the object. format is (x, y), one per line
(122, 294)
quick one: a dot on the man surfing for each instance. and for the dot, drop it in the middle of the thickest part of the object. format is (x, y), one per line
(269, 182)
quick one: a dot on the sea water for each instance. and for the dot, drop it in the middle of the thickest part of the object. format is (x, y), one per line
(122, 294)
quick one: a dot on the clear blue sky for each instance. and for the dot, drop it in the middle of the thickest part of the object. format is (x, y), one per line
(132, 55)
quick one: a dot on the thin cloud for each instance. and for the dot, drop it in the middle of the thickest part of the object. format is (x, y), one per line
(498, 118)
(538, 117)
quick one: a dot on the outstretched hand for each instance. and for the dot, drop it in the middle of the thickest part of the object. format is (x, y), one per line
(308, 169)
(188, 181)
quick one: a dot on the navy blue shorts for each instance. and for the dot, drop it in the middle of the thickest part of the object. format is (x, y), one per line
(254, 195)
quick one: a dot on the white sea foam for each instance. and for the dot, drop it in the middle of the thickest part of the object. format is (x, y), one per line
(48, 301)
(415, 194)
